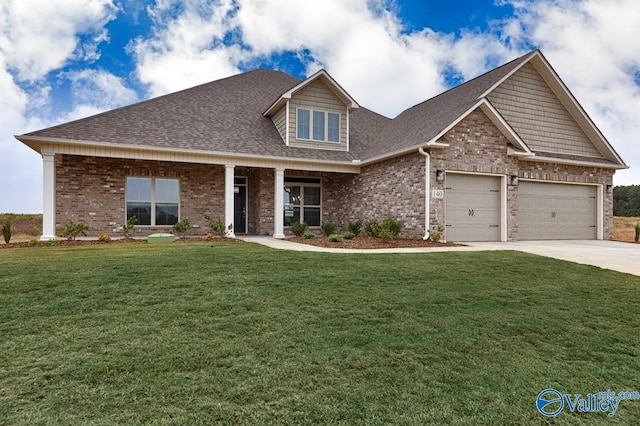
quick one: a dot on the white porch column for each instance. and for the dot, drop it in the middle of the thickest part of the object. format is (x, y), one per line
(49, 196)
(278, 211)
(229, 199)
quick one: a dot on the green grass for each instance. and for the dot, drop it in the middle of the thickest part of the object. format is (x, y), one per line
(235, 333)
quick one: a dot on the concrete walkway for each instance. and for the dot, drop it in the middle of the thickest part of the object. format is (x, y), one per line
(623, 257)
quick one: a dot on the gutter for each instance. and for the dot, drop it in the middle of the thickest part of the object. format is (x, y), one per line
(427, 184)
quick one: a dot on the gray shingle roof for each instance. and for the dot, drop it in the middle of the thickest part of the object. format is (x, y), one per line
(227, 116)
(221, 116)
(424, 121)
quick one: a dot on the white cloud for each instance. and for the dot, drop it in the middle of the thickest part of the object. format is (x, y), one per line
(187, 47)
(38, 36)
(99, 89)
(593, 45)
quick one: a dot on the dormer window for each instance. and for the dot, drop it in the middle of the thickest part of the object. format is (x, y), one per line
(318, 125)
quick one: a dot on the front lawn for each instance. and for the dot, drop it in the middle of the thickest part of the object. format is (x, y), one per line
(236, 333)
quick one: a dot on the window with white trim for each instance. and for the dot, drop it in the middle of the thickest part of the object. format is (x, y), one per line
(318, 125)
(302, 201)
(154, 201)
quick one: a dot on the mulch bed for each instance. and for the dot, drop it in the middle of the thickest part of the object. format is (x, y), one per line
(360, 242)
(58, 243)
(364, 242)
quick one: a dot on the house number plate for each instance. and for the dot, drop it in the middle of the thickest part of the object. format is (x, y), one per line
(437, 193)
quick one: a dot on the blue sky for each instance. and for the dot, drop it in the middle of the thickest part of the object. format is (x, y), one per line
(67, 59)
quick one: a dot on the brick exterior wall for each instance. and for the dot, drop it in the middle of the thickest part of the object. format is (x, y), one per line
(393, 188)
(92, 189)
(477, 146)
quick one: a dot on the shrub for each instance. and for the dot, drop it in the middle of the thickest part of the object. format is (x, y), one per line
(372, 229)
(298, 228)
(6, 230)
(328, 228)
(335, 238)
(104, 237)
(309, 235)
(181, 227)
(355, 227)
(73, 230)
(210, 237)
(391, 226)
(217, 227)
(436, 234)
(637, 237)
(127, 228)
(349, 235)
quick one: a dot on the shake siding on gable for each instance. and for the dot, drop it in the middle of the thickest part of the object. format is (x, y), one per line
(535, 113)
(317, 96)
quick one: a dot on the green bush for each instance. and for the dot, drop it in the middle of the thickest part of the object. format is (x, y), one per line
(181, 227)
(328, 228)
(349, 235)
(73, 230)
(436, 234)
(298, 228)
(637, 237)
(355, 227)
(6, 230)
(309, 235)
(391, 226)
(335, 238)
(217, 227)
(127, 228)
(372, 229)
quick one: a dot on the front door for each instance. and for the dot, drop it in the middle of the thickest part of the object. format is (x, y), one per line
(240, 209)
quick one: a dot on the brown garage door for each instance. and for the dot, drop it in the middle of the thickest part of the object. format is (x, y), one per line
(555, 211)
(472, 208)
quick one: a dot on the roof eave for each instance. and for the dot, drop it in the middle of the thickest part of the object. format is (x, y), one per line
(39, 143)
(583, 163)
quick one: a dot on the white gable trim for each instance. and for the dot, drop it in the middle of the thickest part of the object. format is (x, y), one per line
(567, 99)
(327, 79)
(493, 115)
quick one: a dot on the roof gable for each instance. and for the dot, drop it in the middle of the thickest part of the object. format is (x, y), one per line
(559, 124)
(320, 76)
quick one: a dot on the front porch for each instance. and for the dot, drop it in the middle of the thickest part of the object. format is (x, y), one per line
(253, 200)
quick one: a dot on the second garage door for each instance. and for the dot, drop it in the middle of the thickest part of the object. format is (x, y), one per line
(554, 211)
(472, 208)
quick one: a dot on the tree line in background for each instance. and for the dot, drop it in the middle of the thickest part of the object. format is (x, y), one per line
(626, 201)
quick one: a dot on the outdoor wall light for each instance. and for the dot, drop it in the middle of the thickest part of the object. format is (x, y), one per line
(514, 180)
(609, 188)
(439, 175)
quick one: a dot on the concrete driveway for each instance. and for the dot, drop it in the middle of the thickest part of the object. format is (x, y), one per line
(623, 257)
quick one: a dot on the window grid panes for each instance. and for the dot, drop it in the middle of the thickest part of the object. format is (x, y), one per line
(154, 201)
(318, 125)
(303, 123)
(302, 203)
(333, 127)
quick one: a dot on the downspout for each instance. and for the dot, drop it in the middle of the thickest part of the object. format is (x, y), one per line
(427, 191)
